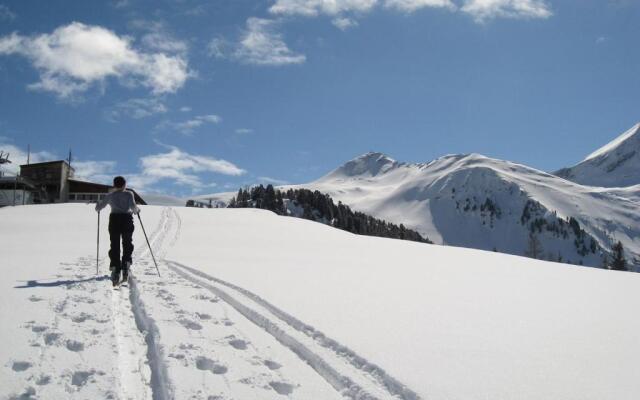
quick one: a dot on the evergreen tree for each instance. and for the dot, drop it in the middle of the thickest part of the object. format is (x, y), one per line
(534, 247)
(618, 262)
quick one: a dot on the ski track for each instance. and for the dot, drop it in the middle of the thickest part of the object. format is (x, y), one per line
(228, 362)
(143, 363)
(347, 372)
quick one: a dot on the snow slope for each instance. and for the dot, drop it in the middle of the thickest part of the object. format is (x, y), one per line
(479, 202)
(252, 305)
(616, 164)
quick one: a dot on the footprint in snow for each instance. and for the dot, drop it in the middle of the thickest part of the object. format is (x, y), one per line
(27, 395)
(238, 344)
(272, 365)
(207, 364)
(203, 316)
(80, 378)
(190, 324)
(35, 299)
(51, 338)
(43, 380)
(74, 345)
(20, 366)
(282, 387)
(38, 328)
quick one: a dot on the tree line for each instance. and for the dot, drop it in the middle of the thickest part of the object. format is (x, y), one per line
(317, 206)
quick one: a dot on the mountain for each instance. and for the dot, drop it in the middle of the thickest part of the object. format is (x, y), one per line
(251, 305)
(479, 202)
(616, 164)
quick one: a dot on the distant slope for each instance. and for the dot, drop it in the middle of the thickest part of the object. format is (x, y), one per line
(479, 202)
(616, 164)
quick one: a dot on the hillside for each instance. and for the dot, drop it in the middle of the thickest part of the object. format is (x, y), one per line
(478, 202)
(256, 306)
(616, 164)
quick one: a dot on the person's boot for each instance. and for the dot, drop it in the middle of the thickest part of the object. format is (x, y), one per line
(125, 271)
(115, 276)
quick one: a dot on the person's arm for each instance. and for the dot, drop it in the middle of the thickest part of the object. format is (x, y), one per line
(102, 203)
(133, 206)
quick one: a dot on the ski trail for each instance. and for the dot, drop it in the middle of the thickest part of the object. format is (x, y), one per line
(137, 340)
(347, 372)
(135, 375)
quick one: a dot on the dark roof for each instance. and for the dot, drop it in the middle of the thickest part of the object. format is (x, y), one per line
(45, 163)
(76, 186)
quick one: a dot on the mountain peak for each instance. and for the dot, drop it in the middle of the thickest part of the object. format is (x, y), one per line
(367, 165)
(615, 164)
(632, 134)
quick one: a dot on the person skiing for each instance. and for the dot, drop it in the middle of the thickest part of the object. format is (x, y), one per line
(123, 206)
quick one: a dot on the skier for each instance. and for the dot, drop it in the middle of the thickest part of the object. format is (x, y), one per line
(123, 205)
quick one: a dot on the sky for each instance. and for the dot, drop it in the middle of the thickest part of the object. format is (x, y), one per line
(187, 97)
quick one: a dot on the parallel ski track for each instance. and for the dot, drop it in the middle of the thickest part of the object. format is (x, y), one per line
(278, 323)
(161, 387)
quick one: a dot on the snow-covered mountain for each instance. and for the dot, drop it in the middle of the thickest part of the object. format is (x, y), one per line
(616, 164)
(484, 203)
(251, 305)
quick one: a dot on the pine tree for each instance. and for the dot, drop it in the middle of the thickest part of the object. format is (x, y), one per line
(618, 263)
(534, 247)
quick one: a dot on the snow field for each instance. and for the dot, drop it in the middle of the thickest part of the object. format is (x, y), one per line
(252, 305)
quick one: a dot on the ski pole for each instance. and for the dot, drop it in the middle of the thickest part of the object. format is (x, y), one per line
(98, 244)
(150, 251)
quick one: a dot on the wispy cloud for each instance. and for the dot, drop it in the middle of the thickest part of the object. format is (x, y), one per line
(94, 171)
(6, 14)
(260, 44)
(243, 131)
(135, 108)
(18, 156)
(185, 109)
(76, 56)
(187, 127)
(344, 12)
(181, 168)
(317, 7)
(484, 10)
(410, 6)
(344, 23)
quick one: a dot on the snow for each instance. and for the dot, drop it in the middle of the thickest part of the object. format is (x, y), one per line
(615, 143)
(443, 201)
(617, 164)
(252, 305)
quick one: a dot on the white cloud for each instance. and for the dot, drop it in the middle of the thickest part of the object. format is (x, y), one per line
(6, 14)
(94, 171)
(313, 8)
(410, 6)
(342, 11)
(244, 131)
(136, 109)
(262, 44)
(219, 47)
(601, 39)
(74, 57)
(188, 126)
(483, 10)
(185, 109)
(180, 167)
(344, 23)
(161, 41)
(18, 156)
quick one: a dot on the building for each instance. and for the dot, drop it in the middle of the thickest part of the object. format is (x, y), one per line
(51, 182)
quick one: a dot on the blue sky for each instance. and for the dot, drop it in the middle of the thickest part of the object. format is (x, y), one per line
(186, 96)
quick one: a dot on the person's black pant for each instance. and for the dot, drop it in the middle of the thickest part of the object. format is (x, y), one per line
(120, 227)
